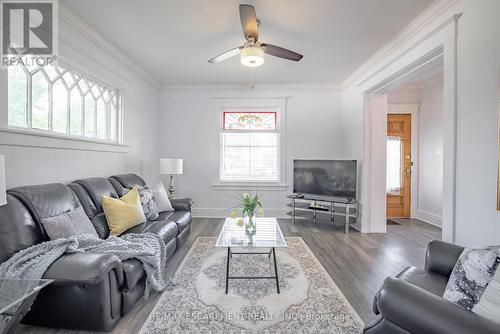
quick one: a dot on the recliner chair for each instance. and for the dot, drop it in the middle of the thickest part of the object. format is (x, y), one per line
(412, 301)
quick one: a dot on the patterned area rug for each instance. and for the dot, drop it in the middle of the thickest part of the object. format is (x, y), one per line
(196, 302)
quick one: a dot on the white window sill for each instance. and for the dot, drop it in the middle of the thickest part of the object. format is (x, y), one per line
(29, 138)
(242, 186)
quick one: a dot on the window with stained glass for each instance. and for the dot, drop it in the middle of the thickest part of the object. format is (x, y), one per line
(259, 120)
(250, 146)
(60, 100)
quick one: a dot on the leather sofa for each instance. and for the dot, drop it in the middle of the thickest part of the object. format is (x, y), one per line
(92, 291)
(412, 301)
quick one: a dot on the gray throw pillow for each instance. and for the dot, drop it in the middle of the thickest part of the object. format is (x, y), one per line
(471, 275)
(69, 224)
(148, 202)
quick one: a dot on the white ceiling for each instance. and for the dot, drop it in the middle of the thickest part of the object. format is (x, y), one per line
(173, 40)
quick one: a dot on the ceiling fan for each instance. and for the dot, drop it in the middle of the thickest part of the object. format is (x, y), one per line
(252, 52)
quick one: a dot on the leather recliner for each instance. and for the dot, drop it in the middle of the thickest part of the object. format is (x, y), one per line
(412, 302)
(91, 291)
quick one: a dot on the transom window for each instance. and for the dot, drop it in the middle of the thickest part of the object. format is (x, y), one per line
(250, 146)
(60, 100)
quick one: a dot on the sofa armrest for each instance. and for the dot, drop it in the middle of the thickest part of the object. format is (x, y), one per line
(441, 257)
(84, 268)
(419, 311)
(181, 204)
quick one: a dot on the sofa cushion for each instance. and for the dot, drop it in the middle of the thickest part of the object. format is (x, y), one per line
(181, 218)
(120, 190)
(470, 277)
(167, 230)
(123, 213)
(129, 180)
(489, 304)
(426, 280)
(95, 188)
(46, 200)
(100, 225)
(162, 200)
(133, 271)
(82, 267)
(148, 202)
(164, 215)
(85, 199)
(69, 224)
(18, 229)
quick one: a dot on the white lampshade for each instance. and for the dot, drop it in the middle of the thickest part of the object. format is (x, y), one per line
(3, 194)
(170, 166)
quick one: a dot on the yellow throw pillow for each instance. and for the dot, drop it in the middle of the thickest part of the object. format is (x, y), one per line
(123, 213)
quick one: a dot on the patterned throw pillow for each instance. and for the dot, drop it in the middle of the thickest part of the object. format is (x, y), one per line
(471, 275)
(489, 304)
(148, 202)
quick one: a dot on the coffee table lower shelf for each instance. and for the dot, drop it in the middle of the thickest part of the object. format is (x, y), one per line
(271, 252)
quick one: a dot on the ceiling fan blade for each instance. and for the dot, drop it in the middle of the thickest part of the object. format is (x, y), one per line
(280, 52)
(226, 55)
(249, 22)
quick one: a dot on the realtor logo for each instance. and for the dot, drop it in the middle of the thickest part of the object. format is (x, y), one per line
(28, 29)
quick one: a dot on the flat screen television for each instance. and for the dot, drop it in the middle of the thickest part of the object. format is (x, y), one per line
(331, 178)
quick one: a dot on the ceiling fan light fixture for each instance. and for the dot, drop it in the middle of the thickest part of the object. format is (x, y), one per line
(252, 56)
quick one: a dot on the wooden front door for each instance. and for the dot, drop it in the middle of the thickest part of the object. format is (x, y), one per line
(398, 165)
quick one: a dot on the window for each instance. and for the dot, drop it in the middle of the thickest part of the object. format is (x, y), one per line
(58, 100)
(394, 159)
(250, 150)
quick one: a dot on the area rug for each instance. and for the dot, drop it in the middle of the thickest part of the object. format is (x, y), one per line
(195, 301)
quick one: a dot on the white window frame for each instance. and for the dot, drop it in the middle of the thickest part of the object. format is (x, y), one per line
(49, 134)
(277, 105)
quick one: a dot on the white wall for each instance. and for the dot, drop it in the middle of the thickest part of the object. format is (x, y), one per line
(83, 47)
(476, 220)
(404, 95)
(430, 146)
(190, 131)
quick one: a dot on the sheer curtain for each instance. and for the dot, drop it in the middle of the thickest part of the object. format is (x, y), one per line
(394, 153)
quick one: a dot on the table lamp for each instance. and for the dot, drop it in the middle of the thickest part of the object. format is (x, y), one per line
(171, 166)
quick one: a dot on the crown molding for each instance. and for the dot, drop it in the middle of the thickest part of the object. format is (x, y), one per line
(76, 22)
(251, 87)
(423, 20)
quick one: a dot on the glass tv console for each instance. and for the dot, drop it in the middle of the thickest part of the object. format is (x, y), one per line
(310, 207)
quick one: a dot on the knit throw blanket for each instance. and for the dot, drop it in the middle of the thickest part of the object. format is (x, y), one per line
(33, 262)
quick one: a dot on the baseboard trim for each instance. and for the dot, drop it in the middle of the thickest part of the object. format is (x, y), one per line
(429, 218)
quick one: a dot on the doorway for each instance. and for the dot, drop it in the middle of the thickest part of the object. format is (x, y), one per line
(399, 166)
(439, 46)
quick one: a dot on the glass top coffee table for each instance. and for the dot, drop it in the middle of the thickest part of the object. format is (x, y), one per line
(16, 298)
(266, 234)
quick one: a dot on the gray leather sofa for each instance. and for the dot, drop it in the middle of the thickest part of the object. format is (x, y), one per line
(92, 291)
(412, 302)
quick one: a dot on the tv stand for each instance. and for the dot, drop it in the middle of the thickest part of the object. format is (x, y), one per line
(310, 207)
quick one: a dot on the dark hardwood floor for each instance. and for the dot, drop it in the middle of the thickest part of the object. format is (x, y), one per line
(358, 263)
